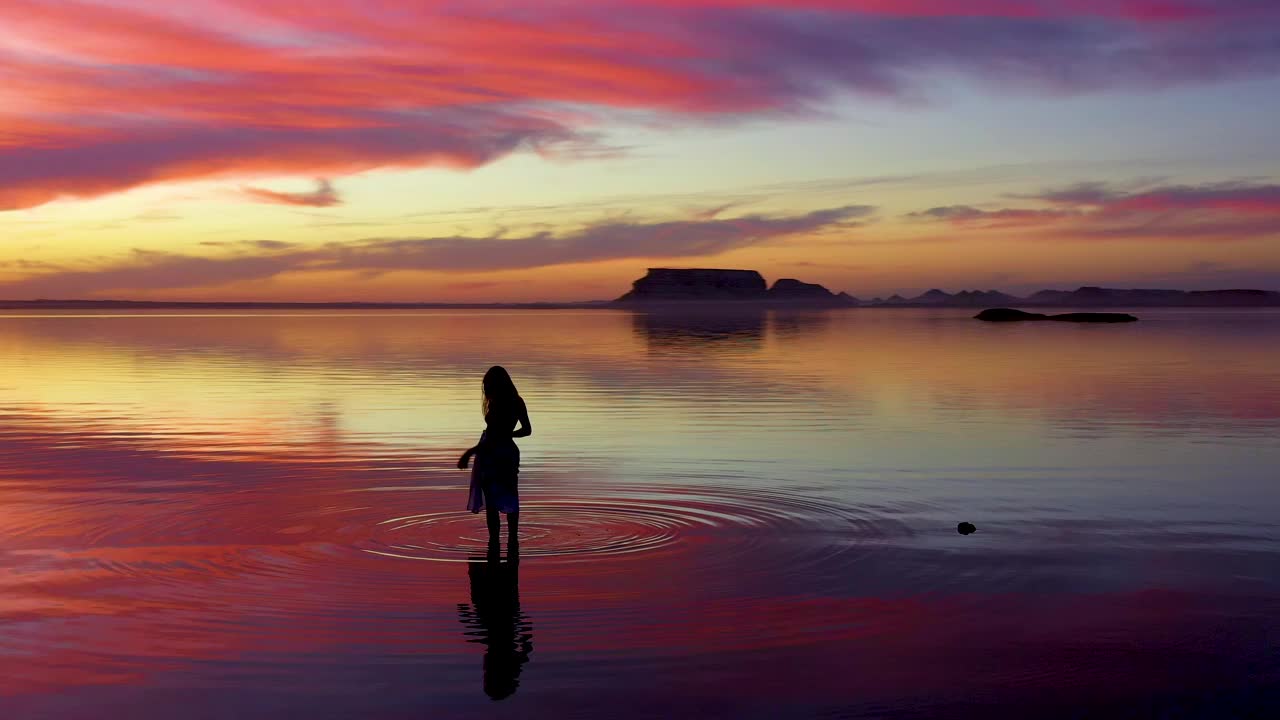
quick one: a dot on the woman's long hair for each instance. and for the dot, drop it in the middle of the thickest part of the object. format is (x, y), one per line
(498, 389)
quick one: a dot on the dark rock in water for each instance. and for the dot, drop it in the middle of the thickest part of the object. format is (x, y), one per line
(1091, 317)
(965, 528)
(697, 284)
(1011, 315)
(1008, 315)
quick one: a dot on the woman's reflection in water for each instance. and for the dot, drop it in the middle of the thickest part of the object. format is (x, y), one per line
(494, 619)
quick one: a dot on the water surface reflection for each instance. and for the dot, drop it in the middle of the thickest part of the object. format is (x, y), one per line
(748, 516)
(695, 331)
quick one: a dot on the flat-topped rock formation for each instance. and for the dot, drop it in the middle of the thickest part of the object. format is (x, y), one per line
(697, 284)
(1012, 315)
(665, 285)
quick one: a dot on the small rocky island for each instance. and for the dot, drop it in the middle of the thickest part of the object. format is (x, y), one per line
(1011, 315)
(666, 285)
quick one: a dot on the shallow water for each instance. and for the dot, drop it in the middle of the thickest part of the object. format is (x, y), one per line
(213, 515)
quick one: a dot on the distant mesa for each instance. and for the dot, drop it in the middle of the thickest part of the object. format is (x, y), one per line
(662, 285)
(1012, 315)
(697, 284)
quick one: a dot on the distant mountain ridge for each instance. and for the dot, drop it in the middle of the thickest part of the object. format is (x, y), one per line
(664, 285)
(1092, 296)
(964, 298)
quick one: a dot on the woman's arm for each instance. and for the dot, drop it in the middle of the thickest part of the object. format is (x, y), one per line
(526, 428)
(465, 460)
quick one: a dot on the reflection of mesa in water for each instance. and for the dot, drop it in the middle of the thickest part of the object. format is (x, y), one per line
(640, 520)
(730, 330)
(724, 329)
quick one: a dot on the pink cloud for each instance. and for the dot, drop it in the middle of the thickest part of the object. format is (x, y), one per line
(100, 97)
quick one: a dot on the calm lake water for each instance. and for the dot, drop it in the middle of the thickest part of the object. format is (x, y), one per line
(257, 515)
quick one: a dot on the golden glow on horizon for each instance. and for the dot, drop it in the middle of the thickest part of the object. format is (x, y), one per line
(890, 252)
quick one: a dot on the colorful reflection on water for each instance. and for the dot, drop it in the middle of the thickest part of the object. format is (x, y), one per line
(747, 515)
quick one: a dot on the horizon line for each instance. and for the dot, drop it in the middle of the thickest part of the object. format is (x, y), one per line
(424, 304)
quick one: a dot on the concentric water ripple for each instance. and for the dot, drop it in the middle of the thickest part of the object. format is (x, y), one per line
(639, 519)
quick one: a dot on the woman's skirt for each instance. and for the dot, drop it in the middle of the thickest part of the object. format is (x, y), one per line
(494, 475)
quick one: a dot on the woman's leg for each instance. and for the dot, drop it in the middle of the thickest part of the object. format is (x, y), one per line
(513, 527)
(491, 519)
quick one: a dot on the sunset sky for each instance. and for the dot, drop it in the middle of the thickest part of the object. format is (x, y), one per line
(553, 149)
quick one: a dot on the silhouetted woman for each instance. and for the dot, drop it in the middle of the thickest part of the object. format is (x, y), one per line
(497, 467)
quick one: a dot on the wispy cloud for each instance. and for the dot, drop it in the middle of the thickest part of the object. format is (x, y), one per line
(323, 196)
(260, 259)
(240, 89)
(969, 216)
(1215, 212)
(1238, 197)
